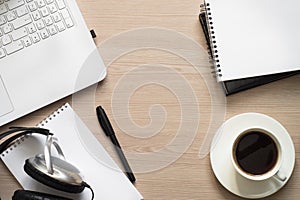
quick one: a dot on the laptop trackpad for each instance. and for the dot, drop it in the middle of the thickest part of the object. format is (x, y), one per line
(5, 103)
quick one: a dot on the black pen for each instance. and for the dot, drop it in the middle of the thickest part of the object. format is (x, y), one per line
(108, 130)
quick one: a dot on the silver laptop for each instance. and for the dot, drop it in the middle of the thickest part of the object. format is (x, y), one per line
(46, 53)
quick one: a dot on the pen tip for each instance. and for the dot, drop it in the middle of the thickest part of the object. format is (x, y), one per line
(99, 108)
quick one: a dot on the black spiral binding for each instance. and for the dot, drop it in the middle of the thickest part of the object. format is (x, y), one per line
(53, 115)
(213, 45)
(16, 143)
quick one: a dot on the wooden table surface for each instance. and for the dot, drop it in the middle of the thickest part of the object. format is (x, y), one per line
(189, 176)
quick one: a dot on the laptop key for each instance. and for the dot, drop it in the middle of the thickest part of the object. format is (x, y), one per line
(65, 13)
(13, 47)
(35, 37)
(2, 20)
(3, 9)
(45, 11)
(40, 3)
(60, 4)
(2, 53)
(22, 10)
(19, 33)
(7, 28)
(14, 3)
(31, 28)
(61, 27)
(56, 16)
(52, 30)
(52, 8)
(40, 24)
(69, 22)
(32, 6)
(22, 21)
(36, 15)
(11, 16)
(48, 20)
(6, 40)
(27, 41)
(44, 33)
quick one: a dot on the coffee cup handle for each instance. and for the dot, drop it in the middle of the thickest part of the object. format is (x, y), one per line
(280, 176)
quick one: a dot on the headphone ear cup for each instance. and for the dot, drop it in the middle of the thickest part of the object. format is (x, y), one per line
(36, 168)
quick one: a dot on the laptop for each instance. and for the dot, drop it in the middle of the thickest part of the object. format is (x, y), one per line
(46, 53)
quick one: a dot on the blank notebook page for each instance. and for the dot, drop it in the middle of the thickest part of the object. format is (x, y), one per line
(255, 37)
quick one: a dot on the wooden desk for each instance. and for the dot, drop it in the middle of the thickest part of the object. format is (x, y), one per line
(189, 177)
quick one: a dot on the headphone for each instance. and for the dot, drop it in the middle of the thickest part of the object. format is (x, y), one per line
(49, 170)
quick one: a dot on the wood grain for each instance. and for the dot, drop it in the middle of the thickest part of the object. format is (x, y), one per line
(188, 177)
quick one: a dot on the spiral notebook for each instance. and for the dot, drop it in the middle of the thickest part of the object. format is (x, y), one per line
(252, 42)
(81, 149)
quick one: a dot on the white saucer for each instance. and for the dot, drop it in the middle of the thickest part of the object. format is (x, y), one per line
(223, 167)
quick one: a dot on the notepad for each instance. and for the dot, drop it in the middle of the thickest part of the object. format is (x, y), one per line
(81, 149)
(253, 38)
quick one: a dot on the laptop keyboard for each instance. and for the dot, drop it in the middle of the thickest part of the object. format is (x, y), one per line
(24, 23)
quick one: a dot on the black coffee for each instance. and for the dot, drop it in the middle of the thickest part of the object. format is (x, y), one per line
(256, 153)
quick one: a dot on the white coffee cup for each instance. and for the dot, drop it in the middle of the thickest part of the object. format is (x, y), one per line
(247, 152)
